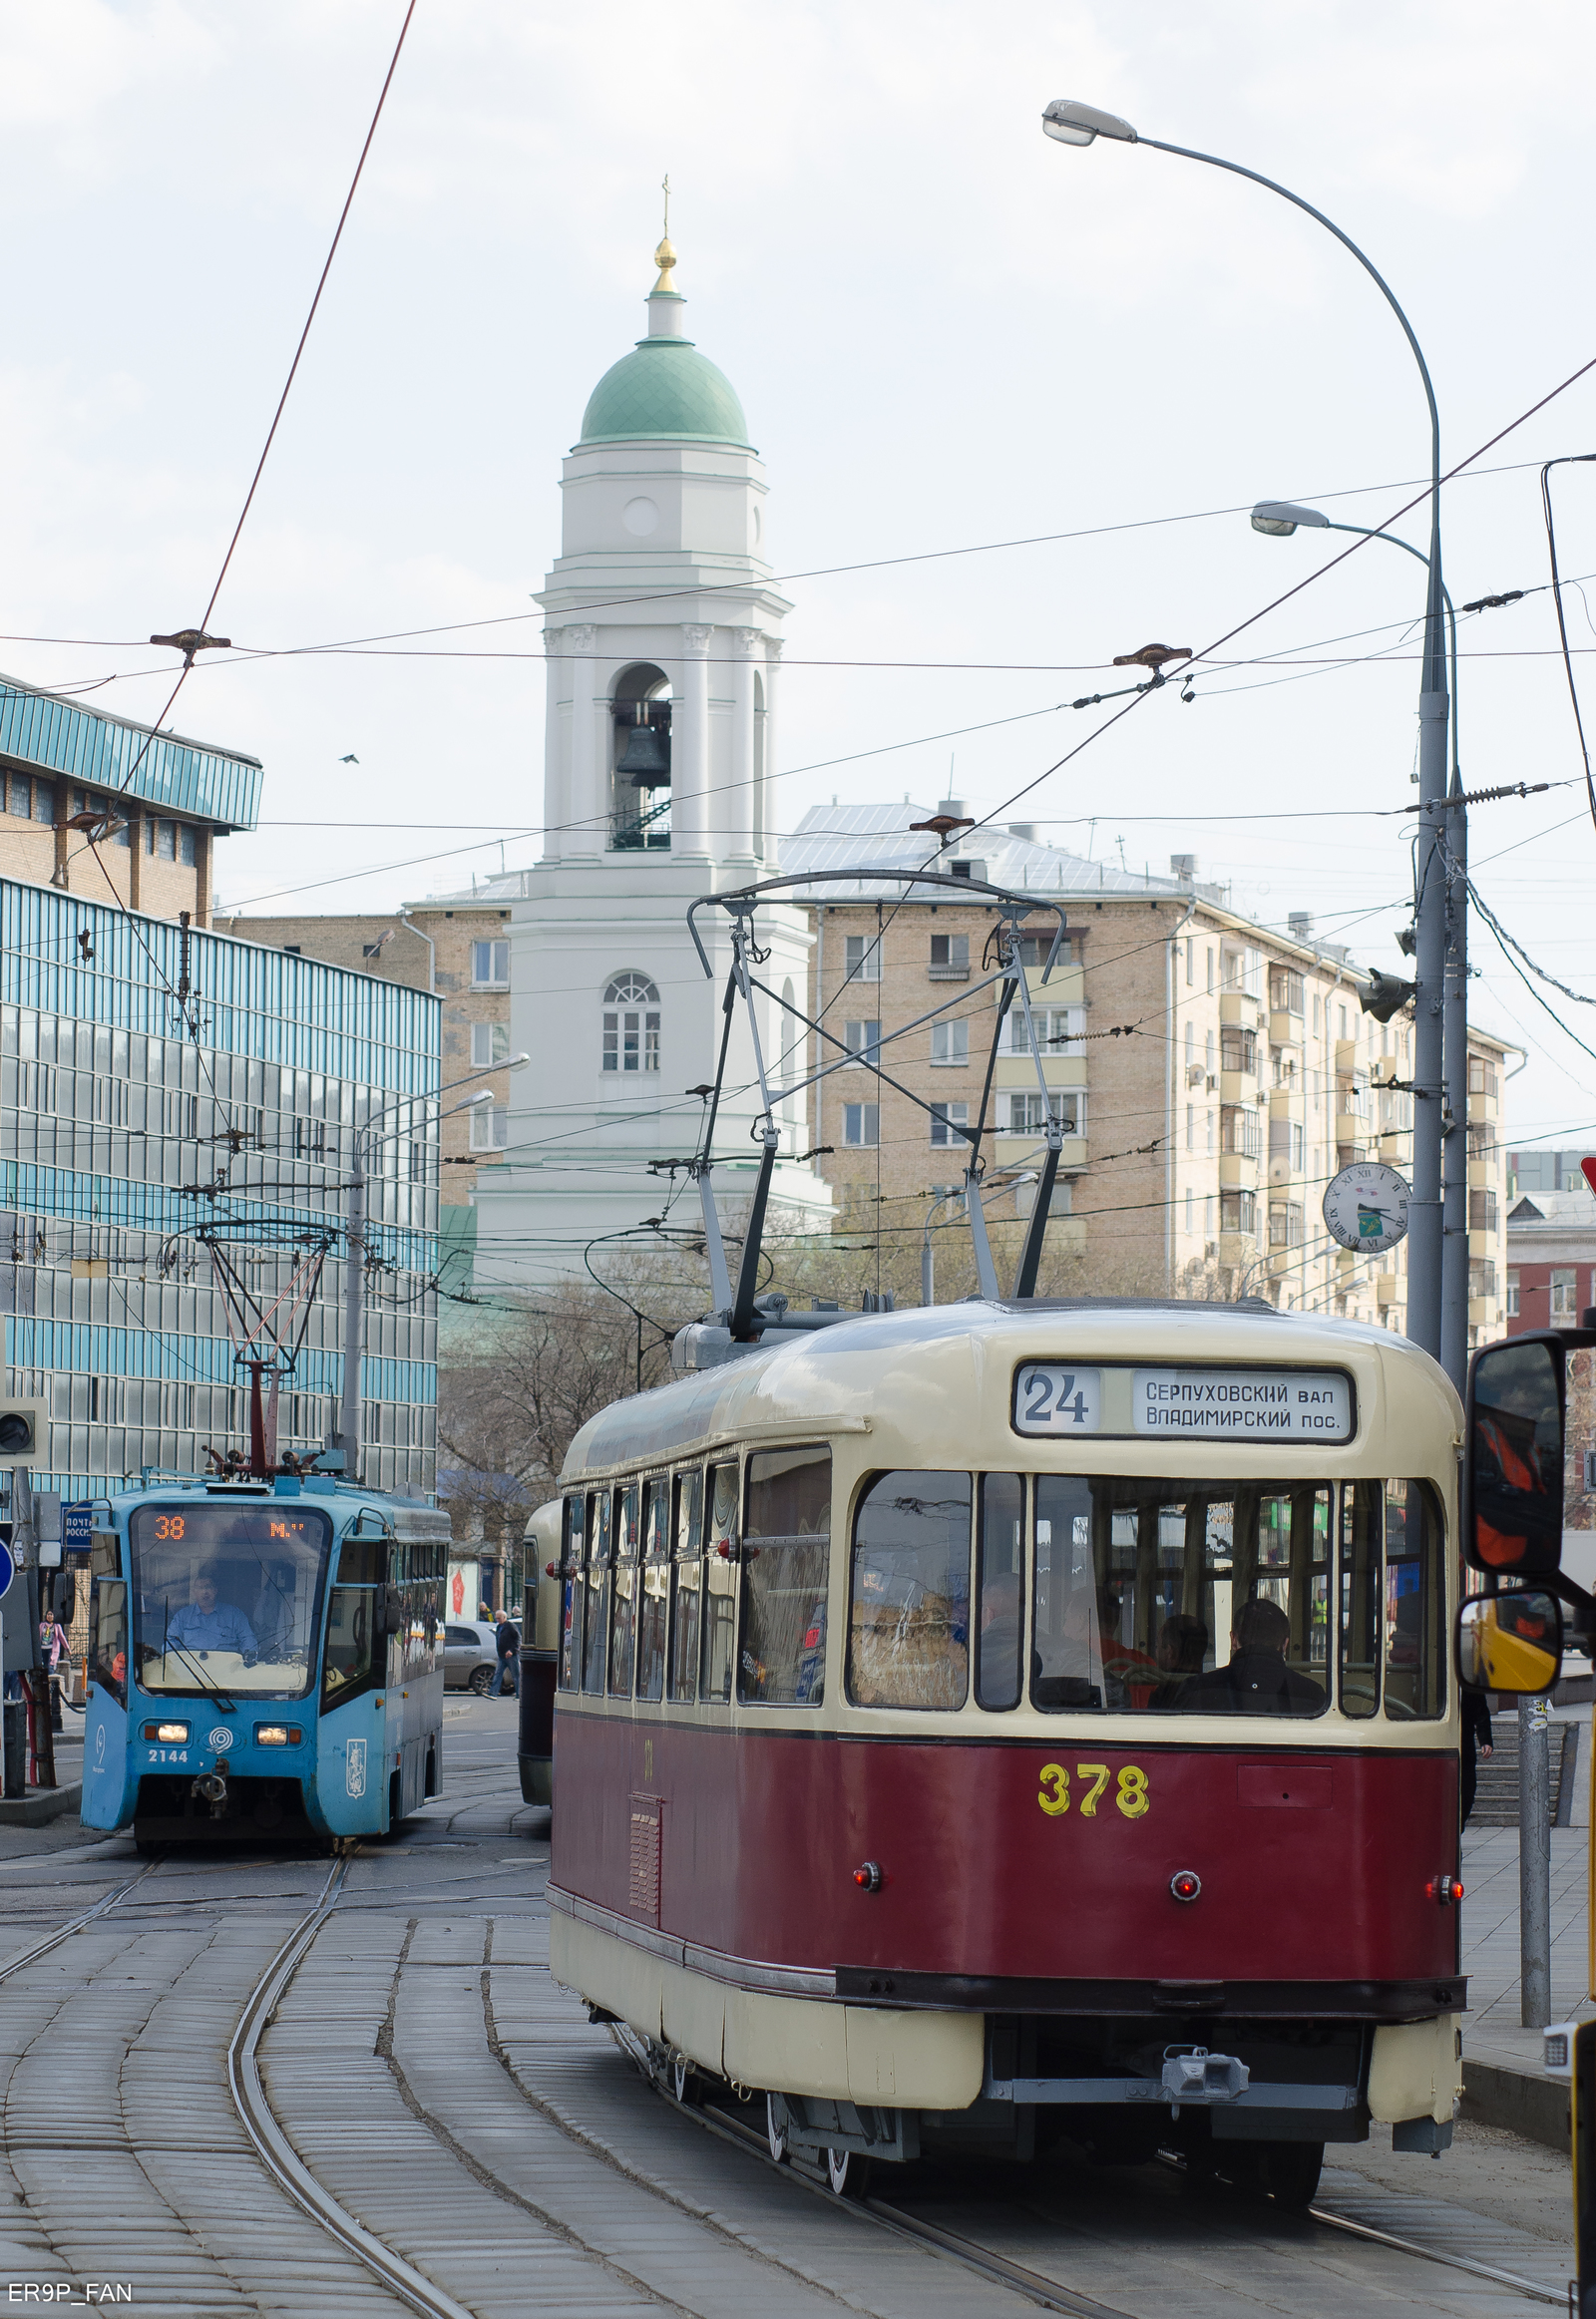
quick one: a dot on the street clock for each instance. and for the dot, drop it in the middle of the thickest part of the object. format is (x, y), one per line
(1366, 1206)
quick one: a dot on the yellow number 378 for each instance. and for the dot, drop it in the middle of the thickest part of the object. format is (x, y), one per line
(1130, 1791)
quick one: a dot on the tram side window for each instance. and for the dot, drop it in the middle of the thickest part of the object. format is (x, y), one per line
(108, 1637)
(1361, 1510)
(655, 1598)
(786, 1557)
(347, 1665)
(909, 1602)
(1415, 1603)
(623, 1614)
(687, 1575)
(595, 1609)
(570, 1585)
(1163, 1596)
(999, 1604)
(720, 1585)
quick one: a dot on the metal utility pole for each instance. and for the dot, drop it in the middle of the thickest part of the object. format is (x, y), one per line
(1073, 123)
(1534, 1865)
(354, 1306)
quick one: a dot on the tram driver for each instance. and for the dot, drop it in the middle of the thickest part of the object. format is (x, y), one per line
(205, 1624)
(1258, 1681)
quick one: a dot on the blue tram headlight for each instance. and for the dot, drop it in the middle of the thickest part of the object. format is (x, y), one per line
(278, 1735)
(170, 1735)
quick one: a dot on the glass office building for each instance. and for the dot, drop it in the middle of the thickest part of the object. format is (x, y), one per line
(162, 1088)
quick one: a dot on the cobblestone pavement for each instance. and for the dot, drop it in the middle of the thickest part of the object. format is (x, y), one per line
(461, 2108)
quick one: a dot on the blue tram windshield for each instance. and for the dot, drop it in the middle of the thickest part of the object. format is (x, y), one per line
(228, 1596)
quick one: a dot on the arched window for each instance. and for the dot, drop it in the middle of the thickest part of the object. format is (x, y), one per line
(631, 1024)
(640, 801)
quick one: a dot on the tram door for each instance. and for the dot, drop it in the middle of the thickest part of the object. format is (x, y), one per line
(353, 1749)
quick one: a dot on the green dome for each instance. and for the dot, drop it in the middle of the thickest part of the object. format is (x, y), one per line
(665, 389)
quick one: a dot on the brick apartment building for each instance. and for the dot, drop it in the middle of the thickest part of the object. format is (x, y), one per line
(1212, 1075)
(455, 946)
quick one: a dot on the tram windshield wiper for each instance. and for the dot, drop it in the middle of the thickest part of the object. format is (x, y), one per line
(225, 1700)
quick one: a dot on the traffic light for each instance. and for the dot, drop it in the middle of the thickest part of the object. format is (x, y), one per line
(22, 1434)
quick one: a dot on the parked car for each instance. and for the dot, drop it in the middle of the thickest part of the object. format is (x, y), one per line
(470, 1655)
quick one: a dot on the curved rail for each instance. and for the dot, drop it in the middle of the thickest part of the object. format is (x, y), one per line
(74, 1924)
(272, 2146)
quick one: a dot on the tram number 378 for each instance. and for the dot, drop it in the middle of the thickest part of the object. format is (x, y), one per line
(1131, 1789)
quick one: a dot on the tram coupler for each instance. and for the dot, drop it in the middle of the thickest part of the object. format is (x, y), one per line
(212, 1786)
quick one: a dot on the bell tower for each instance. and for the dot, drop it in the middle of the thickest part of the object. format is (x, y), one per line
(663, 629)
(662, 637)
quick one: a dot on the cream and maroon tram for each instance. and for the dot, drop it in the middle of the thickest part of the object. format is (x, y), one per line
(994, 1724)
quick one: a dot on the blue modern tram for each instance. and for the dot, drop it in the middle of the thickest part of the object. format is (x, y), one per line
(265, 1660)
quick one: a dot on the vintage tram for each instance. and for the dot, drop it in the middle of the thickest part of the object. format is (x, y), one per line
(987, 1724)
(265, 1660)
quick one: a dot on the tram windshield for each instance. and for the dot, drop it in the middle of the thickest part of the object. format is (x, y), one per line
(225, 1596)
(1236, 1598)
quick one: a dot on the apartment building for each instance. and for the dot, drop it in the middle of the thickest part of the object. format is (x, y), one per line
(1211, 1074)
(457, 946)
(93, 805)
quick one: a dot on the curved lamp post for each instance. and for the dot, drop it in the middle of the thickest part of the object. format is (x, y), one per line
(1073, 123)
(1278, 518)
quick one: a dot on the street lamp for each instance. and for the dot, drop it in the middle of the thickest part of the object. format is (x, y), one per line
(1278, 518)
(355, 1258)
(1073, 123)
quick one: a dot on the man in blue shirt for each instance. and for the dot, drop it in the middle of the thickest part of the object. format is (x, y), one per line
(205, 1625)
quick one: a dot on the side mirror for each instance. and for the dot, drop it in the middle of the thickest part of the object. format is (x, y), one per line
(1514, 1458)
(1510, 1643)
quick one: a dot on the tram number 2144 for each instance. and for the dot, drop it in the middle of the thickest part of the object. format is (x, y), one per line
(1131, 1789)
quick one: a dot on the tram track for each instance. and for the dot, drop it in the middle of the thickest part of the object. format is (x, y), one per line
(277, 2154)
(1052, 2294)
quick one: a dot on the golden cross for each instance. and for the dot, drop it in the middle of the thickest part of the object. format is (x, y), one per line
(667, 204)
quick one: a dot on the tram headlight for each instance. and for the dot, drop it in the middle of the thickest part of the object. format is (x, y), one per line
(276, 1735)
(168, 1735)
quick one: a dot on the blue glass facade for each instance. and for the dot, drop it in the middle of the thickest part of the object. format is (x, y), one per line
(63, 736)
(152, 1082)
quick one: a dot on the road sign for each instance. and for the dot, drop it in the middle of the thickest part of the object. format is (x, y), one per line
(8, 1569)
(77, 1529)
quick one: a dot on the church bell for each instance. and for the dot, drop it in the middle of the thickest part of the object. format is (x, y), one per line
(645, 762)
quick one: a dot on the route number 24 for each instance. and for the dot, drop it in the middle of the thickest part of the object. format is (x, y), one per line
(1130, 1791)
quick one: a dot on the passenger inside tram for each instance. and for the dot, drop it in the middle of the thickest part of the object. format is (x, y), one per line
(1257, 1681)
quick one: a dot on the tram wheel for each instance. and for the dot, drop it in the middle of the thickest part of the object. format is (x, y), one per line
(776, 2129)
(848, 2174)
(1289, 2171)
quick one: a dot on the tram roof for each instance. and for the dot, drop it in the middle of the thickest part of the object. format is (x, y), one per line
(927, 1369)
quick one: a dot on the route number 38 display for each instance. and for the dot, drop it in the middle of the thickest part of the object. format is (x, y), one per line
(1130, 1791)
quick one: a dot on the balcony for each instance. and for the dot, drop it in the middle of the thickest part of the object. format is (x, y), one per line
(1237, 1086)
(1351, 1127)
(1238, 1171)
(1285, 1030)
(1236, 1006)
(1387, 1290)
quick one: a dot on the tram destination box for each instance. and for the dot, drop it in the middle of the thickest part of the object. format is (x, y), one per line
(1055, 1399)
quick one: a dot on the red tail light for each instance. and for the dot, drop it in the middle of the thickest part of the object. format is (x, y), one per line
(1185, 1884)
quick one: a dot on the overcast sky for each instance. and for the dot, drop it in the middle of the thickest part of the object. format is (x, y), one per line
(947, 333)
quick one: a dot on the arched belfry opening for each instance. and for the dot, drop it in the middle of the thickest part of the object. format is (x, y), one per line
(640, 758)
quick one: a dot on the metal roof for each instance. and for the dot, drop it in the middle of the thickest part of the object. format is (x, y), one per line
(831, 837)
(50, 735)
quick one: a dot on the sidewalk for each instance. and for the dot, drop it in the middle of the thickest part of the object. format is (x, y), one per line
(1503, 2080)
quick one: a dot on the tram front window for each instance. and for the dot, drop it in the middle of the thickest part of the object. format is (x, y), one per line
(227, 1596)
(1159, 1595)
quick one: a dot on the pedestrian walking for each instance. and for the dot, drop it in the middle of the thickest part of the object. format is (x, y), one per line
(508, 1643)
(1477, 1733)
(54, 1646)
